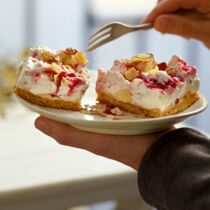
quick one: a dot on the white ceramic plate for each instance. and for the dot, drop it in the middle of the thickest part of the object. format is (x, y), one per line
(124, 126)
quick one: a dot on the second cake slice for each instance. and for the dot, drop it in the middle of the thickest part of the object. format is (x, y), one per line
(142, 86)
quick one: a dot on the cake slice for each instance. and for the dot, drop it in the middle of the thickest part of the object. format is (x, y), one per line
(53, 79)
(142, 86)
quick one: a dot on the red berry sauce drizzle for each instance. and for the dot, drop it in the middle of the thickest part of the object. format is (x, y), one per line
(173, 81)
(50, 72)
(109, 108)
(184, 67)
(64, 74)
(163, 86)
(162, 66)
(76, 82)
(74, 66)
(35, 54)
(71, 77)
(177, 101)
(37, 77)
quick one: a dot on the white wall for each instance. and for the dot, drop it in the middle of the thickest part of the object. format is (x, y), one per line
(12, 26)
(60, 23)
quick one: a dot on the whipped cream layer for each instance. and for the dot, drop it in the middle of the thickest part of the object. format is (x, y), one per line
(54, 80)
(150, 92)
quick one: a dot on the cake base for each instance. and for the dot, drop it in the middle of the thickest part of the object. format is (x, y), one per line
(46, 101)
(184, 102)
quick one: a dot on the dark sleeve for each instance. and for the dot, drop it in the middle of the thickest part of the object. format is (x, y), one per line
(175, 172)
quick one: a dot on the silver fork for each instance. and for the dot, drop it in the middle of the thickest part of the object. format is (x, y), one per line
(112, 31)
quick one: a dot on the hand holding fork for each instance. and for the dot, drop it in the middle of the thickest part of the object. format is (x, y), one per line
(114, 30)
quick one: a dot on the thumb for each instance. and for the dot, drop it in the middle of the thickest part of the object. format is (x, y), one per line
(183, 26)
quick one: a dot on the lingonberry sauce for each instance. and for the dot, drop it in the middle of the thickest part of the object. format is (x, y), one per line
(154, 84)
(177, 101)
(75, 83)
(162, 66)
(50, 72)
(74, 66)
(109, 108)
(71, 77)
(35, 54)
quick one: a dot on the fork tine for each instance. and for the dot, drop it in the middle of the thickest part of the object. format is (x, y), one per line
(98, 37)
(98, 44)
(100, 30)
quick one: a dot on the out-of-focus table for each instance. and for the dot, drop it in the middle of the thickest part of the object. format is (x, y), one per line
(37, 173)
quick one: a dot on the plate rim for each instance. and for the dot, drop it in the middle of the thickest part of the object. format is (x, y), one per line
(34, 108)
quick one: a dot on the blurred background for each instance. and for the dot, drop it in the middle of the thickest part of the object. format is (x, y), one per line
(68, 23)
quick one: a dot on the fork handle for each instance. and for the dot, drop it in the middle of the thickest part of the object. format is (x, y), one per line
(145, 26)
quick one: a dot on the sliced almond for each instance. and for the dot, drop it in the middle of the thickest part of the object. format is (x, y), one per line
(49, 57)
(153, 71)
(70, 51)
(149, 66)
(140, 58)
(144, 56)
(131, 74)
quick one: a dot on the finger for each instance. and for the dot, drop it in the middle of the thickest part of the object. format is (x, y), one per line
(100, 144)
(113, 147)
(170, 6)
(159, 1)
(207, 44)
(126, 149)
(66, 134)
(145, 19)
(183, 26)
